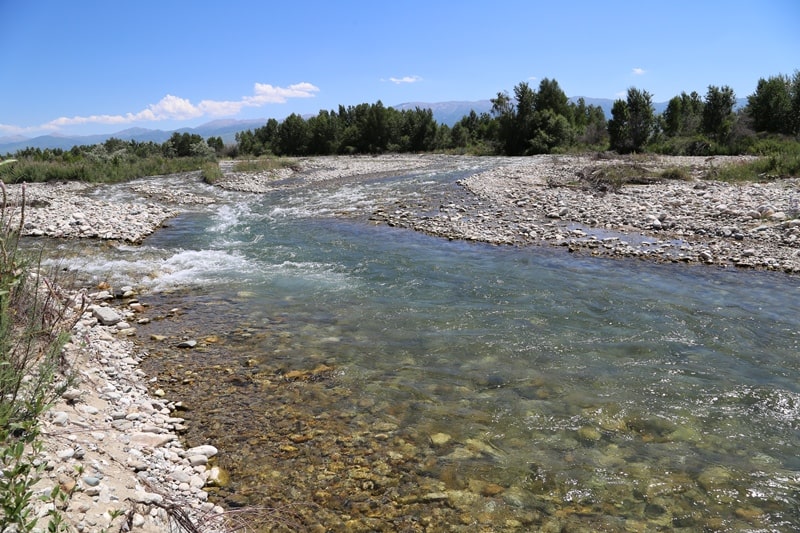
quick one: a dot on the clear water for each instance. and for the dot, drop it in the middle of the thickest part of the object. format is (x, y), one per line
(600, 393)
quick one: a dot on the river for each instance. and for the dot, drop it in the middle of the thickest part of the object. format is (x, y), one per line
(358, 377)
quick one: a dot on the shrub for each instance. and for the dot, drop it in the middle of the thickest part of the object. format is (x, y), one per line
(263, 164)
(211, 172)
(32, 336)
(676, 173)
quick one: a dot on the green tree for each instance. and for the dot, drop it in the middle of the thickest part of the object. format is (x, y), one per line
(551, 130)
(417, 130)
(324, 131)
(718, 116)
(503, 111)
(459, 136)
(770, 106)
(216, 144)
(595, 133)
(553, 119)
(246, 142)
(632, 122)
(534, 121)
(683, 115)
(293, 136)
(180, 144)
(618, 134)
(551, 97)
(794, 96)
(376, 129)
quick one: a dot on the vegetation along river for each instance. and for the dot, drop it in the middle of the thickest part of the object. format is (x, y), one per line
(358, 377)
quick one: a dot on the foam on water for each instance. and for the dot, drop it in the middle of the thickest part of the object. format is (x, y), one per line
(158, 270)
(229, 216)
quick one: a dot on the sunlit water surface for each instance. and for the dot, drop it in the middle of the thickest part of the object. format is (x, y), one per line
(601, 393)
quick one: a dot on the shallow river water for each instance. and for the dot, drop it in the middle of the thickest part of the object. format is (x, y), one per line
(364, 378)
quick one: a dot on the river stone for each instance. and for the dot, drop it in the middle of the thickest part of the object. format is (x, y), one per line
(589, 435)
(218, 477)
(65, 454)
(440, 439)
(60, 418)
(147, 497)
(205, 449)
(181, 477)
(91, 481)
(106, 316)
(151, 440)
(72, 394)
(714, 477)
(198, 460)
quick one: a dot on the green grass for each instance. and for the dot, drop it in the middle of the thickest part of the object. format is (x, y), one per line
(676, 173)
(211, 173)
(263, 164)
(33, 332)
(99, 171)
(776, 161)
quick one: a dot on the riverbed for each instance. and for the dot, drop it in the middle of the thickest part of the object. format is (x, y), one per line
(357, 375)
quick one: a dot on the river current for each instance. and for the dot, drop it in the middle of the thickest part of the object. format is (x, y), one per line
(379, 379)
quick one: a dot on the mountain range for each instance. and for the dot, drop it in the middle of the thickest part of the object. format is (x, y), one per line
(443, 112)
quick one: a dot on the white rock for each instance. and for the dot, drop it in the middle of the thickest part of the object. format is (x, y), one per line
(60, 418)
(106, 316)
(147, 497)
(65, 454)
(197, 460)
(206, 450)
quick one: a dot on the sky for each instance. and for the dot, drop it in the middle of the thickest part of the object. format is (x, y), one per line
(83, 67)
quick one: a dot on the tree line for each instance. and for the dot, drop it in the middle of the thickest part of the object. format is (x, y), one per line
(543, 120)
(531, 122)
(113, 160)
(694, 125)
(528, 121)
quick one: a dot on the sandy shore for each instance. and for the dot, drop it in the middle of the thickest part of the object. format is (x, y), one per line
(116, 447)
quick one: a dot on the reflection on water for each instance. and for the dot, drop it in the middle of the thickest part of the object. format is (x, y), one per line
(393, 381)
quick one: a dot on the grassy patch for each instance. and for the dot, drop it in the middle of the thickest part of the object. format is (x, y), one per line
(676, 173)
(264, 164)
(767, 168)
(99, 171)
(611, 178)
(211, 172)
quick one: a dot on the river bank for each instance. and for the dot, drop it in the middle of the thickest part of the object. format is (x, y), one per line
(552, 200)
(483, 208)
(518, 201)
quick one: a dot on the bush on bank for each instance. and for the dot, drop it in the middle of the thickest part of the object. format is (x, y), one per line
(32, 336)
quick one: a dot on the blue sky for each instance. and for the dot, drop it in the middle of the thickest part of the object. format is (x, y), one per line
(80, 67)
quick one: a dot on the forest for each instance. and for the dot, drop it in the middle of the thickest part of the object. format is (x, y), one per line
(528, 121)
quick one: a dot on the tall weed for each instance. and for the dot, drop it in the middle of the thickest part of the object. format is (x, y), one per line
(33, 332)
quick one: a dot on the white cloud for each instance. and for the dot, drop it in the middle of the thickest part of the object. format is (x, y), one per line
(405, 79)
(176, 108)
(169, 107)
(265, 93)
(638, 71)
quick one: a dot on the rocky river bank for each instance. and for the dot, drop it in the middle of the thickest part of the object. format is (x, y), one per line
(113, 442)
(515, 201)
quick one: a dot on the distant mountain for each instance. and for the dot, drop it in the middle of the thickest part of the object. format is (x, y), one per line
(448, 112)
(443, 112)
(226, 129)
